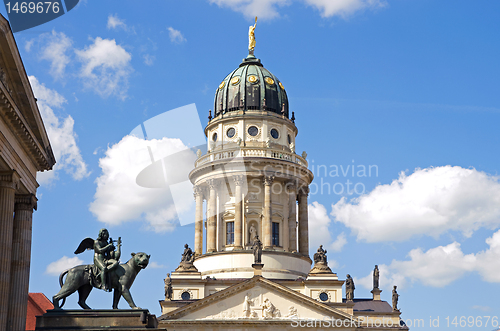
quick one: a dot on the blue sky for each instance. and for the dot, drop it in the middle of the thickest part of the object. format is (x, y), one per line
(408, 87)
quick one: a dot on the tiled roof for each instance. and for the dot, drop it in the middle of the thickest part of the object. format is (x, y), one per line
(38, 304)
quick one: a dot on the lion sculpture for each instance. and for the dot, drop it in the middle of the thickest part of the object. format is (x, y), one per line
(81, 278)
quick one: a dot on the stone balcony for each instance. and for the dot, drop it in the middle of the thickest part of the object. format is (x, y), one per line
(250, 152)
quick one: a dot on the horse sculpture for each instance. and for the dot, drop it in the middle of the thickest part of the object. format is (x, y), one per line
(83, 277)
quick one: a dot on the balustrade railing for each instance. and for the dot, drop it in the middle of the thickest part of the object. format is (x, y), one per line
(251, 152)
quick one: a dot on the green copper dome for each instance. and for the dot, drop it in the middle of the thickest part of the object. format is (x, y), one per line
(251, 87)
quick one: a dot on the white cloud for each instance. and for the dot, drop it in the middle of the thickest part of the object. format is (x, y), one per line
(149, 59)
(175, 35)
(106, 67)
(318, 225)
(115, 23)
(319, 232)
(156, 265)
(61, 135)
(430, 201)
(28, 44)
(440, 266)
(54, 49)
(339, 242)
(119, 199)
(55, 268)
(343, 8)
(268, 9)
(264, 9)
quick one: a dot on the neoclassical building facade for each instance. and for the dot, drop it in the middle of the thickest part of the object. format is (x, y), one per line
(24, 150)
(252, 185)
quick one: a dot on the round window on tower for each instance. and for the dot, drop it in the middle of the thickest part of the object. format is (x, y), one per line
(323, 296)
(275, 134)
(231, 132)
(289, 139)
(214, 136)
(186, 295)
(253, 131)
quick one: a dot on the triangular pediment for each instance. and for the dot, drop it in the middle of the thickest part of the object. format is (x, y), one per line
(256, 299)
(20, 103)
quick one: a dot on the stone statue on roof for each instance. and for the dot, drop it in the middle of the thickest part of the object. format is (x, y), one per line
(376, 277)
(257, 250)
(349, 288)
(251, 37)
(395, 298)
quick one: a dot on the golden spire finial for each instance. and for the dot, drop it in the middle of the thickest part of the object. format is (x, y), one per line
(251, 37)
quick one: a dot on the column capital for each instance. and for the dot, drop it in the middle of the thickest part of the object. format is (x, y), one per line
(198, 190)
(25, 202)
(239, 179)
(9, 179)
(304, 191)
(212, 183)
(268, 180)
(291, 187)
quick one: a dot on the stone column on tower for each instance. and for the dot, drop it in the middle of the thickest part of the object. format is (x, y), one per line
(238, 217)
(20, 266)
(198, 223)
(212, 216)
(292, 218)
(268, 182)
(8, 184)
(303, 221)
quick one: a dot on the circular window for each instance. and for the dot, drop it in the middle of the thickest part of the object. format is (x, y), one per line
(323, 296)
(253, 131)
(221, 85)
(269, 80)
(231, 132)
(214, 136)
(275, 134)
(235, 80)
(289, 139)
(253, 79)
(187, 296)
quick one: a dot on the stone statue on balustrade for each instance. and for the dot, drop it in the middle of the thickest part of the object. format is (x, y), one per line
(187, 260)
(168, 288)
(349, 288)
(376, 277)
(395, 299)
(106, 273)
(320, 262)
(257, 250)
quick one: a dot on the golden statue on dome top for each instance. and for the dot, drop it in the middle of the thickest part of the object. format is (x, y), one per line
(251, 37)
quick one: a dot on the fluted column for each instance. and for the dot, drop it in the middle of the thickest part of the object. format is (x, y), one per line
(198, 222)
(8, 185)
(268, 182)
(238, 206)
(292, 218)
(303, 221)
(20, 266)
(211, 216)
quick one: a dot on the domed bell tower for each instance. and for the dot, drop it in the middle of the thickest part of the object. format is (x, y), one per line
(251, 180)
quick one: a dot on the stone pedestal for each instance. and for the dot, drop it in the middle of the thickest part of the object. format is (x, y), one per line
(257, 269)
(376, 293)
(105, 319)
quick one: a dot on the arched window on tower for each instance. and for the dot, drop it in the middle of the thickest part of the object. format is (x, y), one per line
(276, 234)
